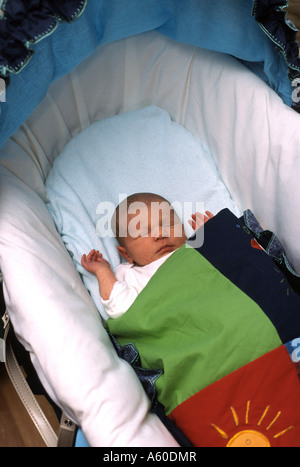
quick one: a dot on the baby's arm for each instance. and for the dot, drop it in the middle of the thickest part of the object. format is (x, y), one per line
(198, 219)
(96, 264)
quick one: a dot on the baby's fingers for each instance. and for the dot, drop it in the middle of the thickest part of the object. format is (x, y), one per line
(91, 255)
(209, 215)
(193, 222)
(199, 219)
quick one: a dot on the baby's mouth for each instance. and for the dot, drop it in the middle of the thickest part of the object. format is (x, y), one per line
(166, 249)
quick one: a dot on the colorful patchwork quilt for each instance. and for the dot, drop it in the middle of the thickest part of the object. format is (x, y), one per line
(220, 325)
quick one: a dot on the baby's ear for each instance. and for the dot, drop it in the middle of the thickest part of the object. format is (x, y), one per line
(123, 252)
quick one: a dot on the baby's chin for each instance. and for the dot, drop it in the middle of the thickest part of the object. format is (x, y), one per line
(166, 250)
(156, 257)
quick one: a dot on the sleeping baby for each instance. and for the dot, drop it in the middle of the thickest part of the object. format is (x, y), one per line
(148, 231)
(204, 326)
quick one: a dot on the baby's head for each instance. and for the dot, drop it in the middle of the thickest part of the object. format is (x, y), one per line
(147, 228)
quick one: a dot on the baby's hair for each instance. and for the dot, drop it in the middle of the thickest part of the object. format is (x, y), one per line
(146, 198)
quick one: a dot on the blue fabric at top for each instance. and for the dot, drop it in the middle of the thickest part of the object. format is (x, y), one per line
(228, 26)
(222, 25)
(102, 21)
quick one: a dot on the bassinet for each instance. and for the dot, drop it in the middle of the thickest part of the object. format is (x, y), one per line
(129, 55)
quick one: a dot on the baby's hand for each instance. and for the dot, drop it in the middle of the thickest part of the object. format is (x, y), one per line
(198, 219)
(93, 262)
(96, 264)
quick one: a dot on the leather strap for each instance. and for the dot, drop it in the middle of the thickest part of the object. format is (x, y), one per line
(67, 432)
(27, 397)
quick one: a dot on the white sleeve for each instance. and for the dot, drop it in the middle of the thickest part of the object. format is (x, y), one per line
(120, 300)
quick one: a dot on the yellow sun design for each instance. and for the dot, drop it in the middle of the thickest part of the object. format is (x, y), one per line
(251, 437)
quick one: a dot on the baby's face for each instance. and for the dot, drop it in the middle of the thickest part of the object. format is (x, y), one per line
(151, 233)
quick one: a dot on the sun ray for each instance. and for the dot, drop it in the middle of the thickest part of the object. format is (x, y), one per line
(273, 421)
(220, 431)
(263, 415)
(247, 412)
(248, 437)
(235, 416)
(283, 432)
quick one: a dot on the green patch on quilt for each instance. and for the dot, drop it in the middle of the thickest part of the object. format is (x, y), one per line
(195, 324)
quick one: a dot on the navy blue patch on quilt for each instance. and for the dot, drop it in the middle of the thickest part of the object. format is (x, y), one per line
(228, 246)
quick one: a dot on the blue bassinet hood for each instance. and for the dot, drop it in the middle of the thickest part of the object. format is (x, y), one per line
(41, 40)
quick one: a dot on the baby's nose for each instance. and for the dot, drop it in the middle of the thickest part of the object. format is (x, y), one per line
(160, 232)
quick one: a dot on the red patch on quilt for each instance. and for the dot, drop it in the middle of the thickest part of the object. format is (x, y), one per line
(256, 406)
(255, 244)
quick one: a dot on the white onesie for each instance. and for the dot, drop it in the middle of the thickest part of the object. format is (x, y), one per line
(131, 280)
